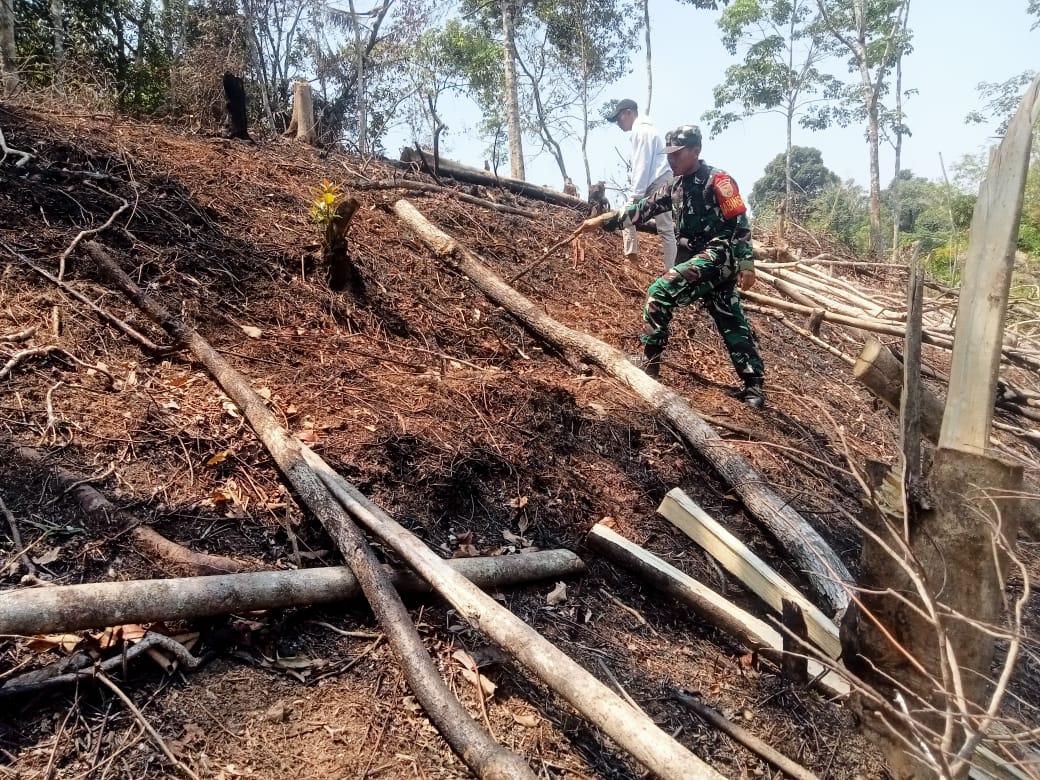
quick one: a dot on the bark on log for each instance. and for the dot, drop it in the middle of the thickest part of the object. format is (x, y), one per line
(97, 605)
(825, 570)
(459, 172)
(177, 557)
(485, 757)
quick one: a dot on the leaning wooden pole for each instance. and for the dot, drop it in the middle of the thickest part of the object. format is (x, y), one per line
(630, 728)
(63, 608)
(826, 571)
(482, 754)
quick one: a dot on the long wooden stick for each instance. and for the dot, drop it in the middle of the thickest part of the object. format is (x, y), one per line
(482, 754)
(545, 256)
(825, 569)
(630, 728)
(94, 605)
(746, 738)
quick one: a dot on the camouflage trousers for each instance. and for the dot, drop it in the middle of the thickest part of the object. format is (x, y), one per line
(709, 277)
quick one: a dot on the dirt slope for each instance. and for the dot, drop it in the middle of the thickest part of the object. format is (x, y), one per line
(436, 404)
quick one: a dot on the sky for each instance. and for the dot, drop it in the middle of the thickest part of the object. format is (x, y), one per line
(956, 46)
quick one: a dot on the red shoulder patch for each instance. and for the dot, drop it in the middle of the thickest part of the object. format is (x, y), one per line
(728, 197)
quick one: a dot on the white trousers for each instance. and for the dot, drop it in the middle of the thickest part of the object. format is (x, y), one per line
(665, 228)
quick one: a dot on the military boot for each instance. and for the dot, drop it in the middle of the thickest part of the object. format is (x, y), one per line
(752, 394)
(652, 359)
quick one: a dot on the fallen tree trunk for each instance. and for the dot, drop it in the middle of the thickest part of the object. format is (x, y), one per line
(629, 727)
(475, 747)
(422, 186)
(98, 605)
(825, 570)
(459, 172)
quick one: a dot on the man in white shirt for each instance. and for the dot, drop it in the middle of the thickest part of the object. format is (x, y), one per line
(650, 173)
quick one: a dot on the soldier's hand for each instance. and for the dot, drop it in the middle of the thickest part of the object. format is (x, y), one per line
(593, 222)
(746, 279)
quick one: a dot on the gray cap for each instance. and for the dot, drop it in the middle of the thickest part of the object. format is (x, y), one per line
(620, 106)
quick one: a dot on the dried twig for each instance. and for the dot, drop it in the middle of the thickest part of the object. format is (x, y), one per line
(146, 344)
(748, 740)
(25, 156)
(34, 682)
(25, 354)
(92, 231)
(105, 680)
(22, 335)
(16, 537)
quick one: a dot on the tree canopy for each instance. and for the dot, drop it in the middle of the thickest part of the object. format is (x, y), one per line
(809, 176)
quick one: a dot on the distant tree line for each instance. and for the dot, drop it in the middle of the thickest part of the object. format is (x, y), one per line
(536, 71)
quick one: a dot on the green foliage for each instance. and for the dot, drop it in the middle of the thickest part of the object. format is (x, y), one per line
(840, 211)
(323, 208)
(780, 43)
(1000, 99)
(809, 176)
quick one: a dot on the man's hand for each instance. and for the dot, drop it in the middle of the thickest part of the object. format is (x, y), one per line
(746, 279)
(592, 223)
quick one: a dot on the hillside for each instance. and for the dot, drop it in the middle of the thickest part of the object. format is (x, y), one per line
(439, 406)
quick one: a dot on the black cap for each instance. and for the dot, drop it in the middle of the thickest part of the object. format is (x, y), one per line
(621, 105)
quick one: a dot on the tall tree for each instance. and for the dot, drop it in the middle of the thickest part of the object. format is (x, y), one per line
(874, 35)
(8, 51)
(782, 45)
(593, 41)
(516, 147)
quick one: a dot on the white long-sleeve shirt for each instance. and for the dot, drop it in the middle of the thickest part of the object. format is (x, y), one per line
(649, 161)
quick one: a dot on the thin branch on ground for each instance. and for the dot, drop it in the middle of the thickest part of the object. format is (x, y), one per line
(158, 740)
(16, 537)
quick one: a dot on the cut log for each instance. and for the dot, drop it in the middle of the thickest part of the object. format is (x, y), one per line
(97, 605)
(827, 573)
(745, 628)
(411, 157)
(301, 127)
(735, 557)
(474, 746)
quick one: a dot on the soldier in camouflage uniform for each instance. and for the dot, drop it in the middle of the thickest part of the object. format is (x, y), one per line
(714, 260)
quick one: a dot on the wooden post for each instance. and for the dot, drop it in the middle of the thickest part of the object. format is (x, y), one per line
(987, 280)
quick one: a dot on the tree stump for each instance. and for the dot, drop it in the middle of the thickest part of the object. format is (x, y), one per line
(343, 274)
(237, 122)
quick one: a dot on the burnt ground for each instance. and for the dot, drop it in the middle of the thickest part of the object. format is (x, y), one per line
(438, 406)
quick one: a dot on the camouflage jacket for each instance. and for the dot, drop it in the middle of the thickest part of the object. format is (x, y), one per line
(708, 210)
